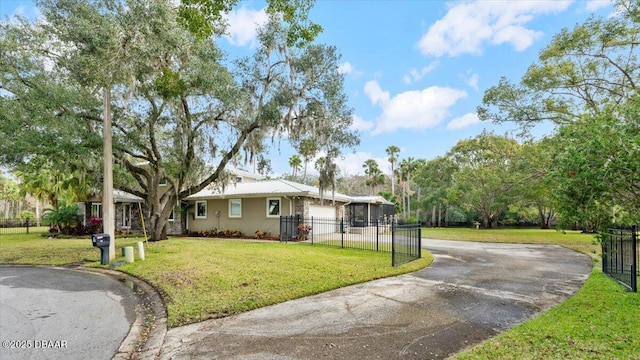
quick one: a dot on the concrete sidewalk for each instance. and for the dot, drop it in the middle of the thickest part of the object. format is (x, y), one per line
(471, 292)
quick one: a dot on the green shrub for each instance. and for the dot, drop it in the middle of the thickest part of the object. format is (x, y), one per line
(64, 217)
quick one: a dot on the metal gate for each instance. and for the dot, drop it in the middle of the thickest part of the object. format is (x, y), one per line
(402, 241)
(620, 256)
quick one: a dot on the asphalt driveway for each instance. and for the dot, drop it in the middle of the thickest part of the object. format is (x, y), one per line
(471, 292)
(54, 313)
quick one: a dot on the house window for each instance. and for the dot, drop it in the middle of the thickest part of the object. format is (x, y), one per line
(172, 215)
(163, 181)
(96, 210)
(235, 208)
(273, 207)
(238, 179)
(201, 209)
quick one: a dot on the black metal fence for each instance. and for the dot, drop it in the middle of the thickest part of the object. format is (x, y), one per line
(402, 241)
(406, 242)
(14, 226)
(620, 256)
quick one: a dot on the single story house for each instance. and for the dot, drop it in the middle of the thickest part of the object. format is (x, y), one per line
(128, 206)
(249, 204)
(127, 210)
(257, 206)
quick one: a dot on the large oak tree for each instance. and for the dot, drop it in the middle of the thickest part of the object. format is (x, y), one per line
(181, 109)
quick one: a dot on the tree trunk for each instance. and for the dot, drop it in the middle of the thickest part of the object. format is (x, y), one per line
(157, 229)
(486, 220)
(544, 223)
(159, 211)
(38, 212)
(433, 216)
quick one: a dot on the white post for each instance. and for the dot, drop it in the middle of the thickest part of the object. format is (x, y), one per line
(141, 250)
(128, 254)
(108, 209)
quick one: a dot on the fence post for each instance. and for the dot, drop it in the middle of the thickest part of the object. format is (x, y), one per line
(419, 241)
(342, 230)
(377, 235)
(393, 243)
(634, 257)
(605, 240)
(621, 251)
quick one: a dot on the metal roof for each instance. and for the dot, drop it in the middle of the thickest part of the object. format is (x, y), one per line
(267, 188)
(123, 196)
(370, 199)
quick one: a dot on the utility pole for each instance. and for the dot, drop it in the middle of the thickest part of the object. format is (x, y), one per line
(108, 210)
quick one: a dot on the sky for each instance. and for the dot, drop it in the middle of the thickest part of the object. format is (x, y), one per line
(415, 71)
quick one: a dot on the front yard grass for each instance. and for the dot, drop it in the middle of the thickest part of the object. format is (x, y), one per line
(201, 279)
(600, 321)
(575, 240)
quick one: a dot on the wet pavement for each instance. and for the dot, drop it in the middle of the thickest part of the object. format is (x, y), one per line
(471, 292)
(48, 313)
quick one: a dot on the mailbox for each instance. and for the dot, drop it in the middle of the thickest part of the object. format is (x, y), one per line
(102, 242)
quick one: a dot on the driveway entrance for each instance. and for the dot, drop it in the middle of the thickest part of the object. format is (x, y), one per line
(471, 292)
(53, 313)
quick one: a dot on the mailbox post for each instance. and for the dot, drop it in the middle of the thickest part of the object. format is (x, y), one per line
(102, 241)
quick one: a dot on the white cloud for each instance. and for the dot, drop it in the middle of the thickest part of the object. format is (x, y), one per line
(416, 75)
(374, 92)
(464, 121)
(351, 164)
(345, 68)
(361, 124)
(472, 81)
(348, 69)
(469, 26)
(243, 25)
(594, 5)
(416, 109)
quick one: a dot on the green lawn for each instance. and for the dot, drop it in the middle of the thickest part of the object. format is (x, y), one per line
(206, 278)
(599, 322)
(575, 240)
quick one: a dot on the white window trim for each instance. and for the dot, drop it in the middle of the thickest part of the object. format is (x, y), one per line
(205, 210)
(279, 207)
(235, 216)
(172, 214)
(98, 207)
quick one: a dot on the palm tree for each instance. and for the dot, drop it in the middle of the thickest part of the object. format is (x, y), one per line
(295, 162)
(375, 176)
(393, 152)
(9, 197)
(407, 166)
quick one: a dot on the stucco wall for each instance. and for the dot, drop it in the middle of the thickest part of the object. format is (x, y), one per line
(254, 217)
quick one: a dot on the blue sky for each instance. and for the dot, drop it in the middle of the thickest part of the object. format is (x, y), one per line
(415, 71)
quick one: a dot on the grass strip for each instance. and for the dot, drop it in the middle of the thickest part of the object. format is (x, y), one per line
(201, 279)
(575, 240)
(599, 322)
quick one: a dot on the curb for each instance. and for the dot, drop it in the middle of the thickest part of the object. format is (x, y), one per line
(147, 333)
